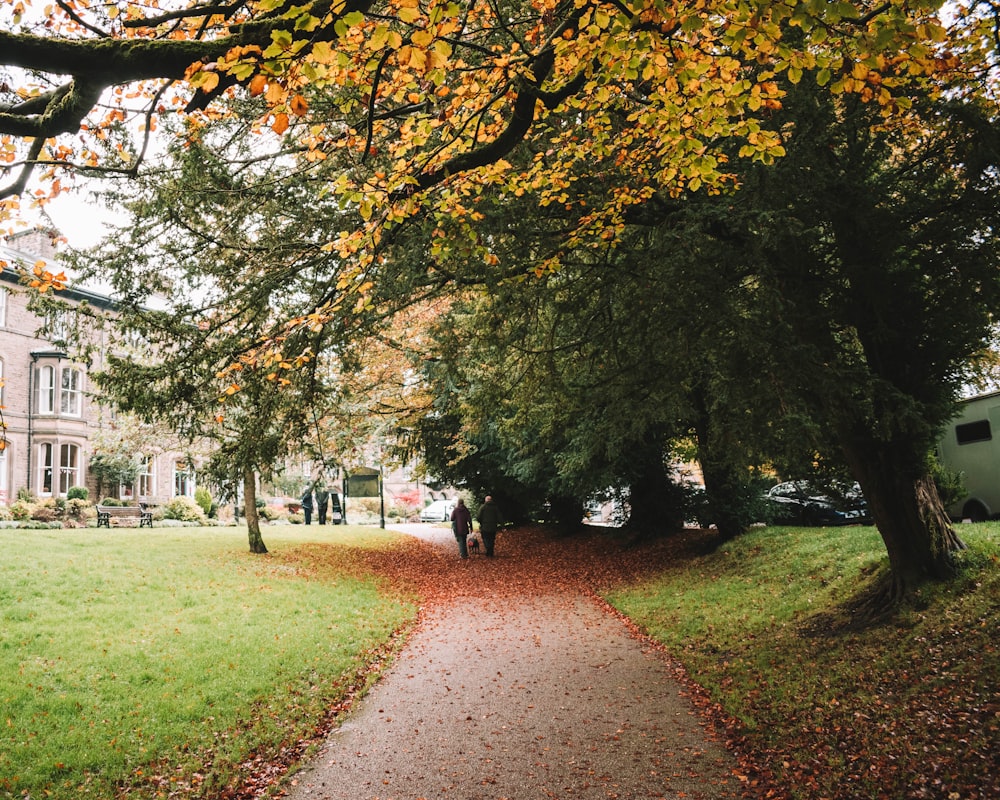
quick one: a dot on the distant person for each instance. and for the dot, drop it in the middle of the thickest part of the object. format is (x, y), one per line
(322, 503)
(489, 522)
(307, 505)
(461, 526)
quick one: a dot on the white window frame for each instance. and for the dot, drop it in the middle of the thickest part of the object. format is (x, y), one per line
(4, 294)
(71, 392)
(184, 483)
(4, 484)
(46, 468)
(46, 389)
(56, 326)
(145, 481)
(69, 467)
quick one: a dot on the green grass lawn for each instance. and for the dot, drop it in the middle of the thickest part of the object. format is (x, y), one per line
(160, 660)
(908, 708)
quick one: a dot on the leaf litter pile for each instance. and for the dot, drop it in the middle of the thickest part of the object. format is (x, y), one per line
(897, 743)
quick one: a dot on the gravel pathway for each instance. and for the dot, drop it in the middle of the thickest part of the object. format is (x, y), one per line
(518, 697)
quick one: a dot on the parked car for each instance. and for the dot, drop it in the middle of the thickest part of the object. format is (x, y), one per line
(800, 503)
(438, 511)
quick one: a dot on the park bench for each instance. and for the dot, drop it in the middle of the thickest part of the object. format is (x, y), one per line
(106, 513)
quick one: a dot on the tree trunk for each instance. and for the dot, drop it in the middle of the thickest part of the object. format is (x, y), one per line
(726, 487)
(724, 492)
(250, 510)
(655, 502)
(911, 519)
(566, 513)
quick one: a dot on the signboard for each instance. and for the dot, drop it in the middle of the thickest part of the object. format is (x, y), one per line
(363, 482)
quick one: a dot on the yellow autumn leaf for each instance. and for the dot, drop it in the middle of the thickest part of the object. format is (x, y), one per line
(275, 93)
(422, 38)
(206, 81)
(409, 15)
(323, 53)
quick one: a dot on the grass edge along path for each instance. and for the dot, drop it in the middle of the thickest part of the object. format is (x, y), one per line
(173, 662)
(907, 708)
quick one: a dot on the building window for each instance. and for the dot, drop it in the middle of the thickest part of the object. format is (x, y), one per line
(56, 327)
(46, 390)
(71, 396)
(144, 485)
(69, 467)
(4, 497)
(145, 481)
(978, 431)
(45, 453)
(183, 480)
(3, 306)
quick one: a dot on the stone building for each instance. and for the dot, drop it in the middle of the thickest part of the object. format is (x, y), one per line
(49, 406)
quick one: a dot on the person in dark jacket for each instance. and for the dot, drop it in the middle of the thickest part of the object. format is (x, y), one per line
(307, 505)
(461, 526)
(489, 521)
(322, 503)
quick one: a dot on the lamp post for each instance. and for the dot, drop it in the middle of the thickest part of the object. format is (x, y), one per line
(381, 497)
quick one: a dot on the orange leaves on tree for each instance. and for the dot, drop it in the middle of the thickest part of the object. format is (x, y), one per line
(280, 123)
(44, 280)
(653, 97)
(257, 85)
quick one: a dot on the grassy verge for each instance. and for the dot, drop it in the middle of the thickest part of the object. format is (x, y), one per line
(905, 709)
(157, 662)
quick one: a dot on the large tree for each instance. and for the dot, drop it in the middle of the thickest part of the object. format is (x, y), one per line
(871, 257)
(223, 279)
(209, 267)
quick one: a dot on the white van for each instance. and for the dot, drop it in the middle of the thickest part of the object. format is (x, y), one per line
(971, 445)
(438, 511)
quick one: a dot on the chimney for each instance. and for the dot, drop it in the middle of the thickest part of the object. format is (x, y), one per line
(37, 242)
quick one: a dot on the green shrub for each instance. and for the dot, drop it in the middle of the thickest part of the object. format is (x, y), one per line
(184, 509)
(21, 510)
(399, 511)
(268, 513)
(204, 500)
(112, 501)
(78, 508)
(77, 493)
(950, 484)
(44, 513)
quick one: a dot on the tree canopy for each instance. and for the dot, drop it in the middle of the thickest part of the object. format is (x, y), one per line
(423, 102)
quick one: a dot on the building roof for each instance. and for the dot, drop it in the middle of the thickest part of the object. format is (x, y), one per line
(22, 251)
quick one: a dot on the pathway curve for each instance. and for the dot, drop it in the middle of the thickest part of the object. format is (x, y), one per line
(518, 685)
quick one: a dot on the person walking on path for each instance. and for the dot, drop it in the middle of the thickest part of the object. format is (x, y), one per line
(489, 521)
(307, 505)
(322, 503)
(461, 526)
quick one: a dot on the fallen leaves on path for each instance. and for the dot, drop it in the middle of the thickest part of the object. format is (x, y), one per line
(538, 562)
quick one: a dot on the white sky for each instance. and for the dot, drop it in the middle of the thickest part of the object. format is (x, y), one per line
(82, 221)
